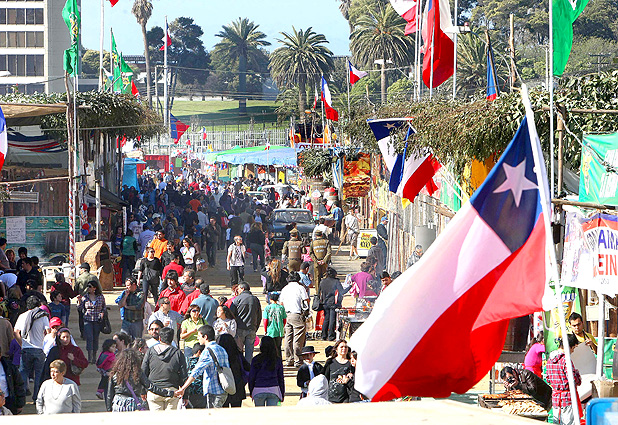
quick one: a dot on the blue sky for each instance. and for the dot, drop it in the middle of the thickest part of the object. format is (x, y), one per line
(272, 16)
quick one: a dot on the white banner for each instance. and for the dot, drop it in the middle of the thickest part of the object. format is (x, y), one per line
(590, 259)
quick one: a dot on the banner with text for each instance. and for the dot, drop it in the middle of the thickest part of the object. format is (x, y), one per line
(598, 180)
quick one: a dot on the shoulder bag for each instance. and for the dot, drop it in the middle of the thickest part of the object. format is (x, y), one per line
(224, 374)
(106, 326)
(139, 403)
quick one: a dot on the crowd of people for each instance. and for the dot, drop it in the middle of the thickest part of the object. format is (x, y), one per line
(177, 226)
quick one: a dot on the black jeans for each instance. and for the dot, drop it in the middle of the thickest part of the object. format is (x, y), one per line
(257, 250)
(330, 324)
(211, 253)
(153, 285)
(237, 274)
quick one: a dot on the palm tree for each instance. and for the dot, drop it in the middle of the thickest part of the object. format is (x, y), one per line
(301, 61)
(379, 35)
(471, 63)
(142, 10)
(240, 42)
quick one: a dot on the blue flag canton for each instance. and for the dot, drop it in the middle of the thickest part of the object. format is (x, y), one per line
(384, 128)
(509, 199)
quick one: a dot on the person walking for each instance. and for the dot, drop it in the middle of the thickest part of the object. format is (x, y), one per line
(247, 310)
(320, 252)
(266, 383)
(256, 241)
(128, 249)
(166, 367)
(150, 270)
(274, 318)
(236, 261)
(70, 354)
(207, 304)
(58, 394)
(295, 301)
(132, 300)
(13, 393)
(213, 391)
(353, 228)
(188, 330)
(338, 370)
(292, 251)
(240, 368)
(212, 233)
(30, 330)
(383, 237)
(330, 295)
(93, 307)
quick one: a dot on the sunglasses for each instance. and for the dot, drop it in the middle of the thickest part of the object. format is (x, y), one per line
(195, 311)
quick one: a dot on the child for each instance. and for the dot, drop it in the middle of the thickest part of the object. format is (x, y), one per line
(308, 370)
(196, 389)
(104, 365)
(57, 308)
(225, 323)
(274, 320)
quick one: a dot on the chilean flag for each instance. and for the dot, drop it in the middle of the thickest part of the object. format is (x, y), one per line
(437, 18)
(4, 144)
(166, 38)
(408, 176)
(178, 128)
(134, 90)
(492, 83)
(407, 10)
(355, 74)
(331, 114)
(113, 2)
(441, 326)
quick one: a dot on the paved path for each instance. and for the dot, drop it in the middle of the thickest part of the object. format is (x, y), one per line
(218, 279)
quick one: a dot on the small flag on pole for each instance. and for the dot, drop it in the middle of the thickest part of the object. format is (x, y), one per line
(267, 147)
(331, 113)
(204, 135)
(407, 10)
(113, 2)
(492, 83)
(178, 128)
(355, 74)
(71, 16)
(4, 144)
(166, 38)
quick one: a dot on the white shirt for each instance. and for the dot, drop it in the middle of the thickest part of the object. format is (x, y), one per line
(188, 254)
(238, 254)
(152, 342)
(136, 228)
(49, 342)
(37, 332)
(202, 219)
(324, 228)
(351, 222)
(9, 279)
(145, 237)
(292, 296)
(3, 384)
(162, 185)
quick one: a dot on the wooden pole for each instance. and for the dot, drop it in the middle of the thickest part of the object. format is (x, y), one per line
(561, 131)
(512, 49)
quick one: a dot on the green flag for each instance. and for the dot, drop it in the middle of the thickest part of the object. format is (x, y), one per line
(70, 14)
(565, 13)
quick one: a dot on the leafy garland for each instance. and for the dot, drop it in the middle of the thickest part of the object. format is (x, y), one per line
(115, 114)
(458, 132)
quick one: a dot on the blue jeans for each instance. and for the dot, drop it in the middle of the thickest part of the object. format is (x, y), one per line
(135, 329)
(91, 332)
(246, 339)
(265, 399)
(32, 359)
(257, 251)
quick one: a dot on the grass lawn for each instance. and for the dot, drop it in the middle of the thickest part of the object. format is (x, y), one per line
(224, 114)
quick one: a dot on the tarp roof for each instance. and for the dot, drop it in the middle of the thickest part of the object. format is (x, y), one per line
(284, 156)
(20, 114)
(213, 157)
(23, 158)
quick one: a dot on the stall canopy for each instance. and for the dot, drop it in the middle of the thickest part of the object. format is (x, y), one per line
(285, 156)
(129, 176)
(213, 157)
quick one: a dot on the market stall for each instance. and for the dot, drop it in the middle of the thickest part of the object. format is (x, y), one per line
(513, 403)
(349, 319)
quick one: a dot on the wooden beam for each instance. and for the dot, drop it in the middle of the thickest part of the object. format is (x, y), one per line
(590, 205)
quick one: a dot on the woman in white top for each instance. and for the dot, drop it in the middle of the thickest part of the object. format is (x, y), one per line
(225, 323)
(58, 394)
(188, 254)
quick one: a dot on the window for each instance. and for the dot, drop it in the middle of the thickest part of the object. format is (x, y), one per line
(23, 65)
(30, 16)
(33, 39)
(2, 39)
(2, 16)
(21, 16)
(38, 16)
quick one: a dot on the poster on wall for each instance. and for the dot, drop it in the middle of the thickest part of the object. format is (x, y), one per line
(363, 243)
(357, 177)
(598, 183)
(16, 230)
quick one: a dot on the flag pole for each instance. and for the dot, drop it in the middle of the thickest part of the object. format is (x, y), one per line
(166, 119)
(417, 52)
(433, 37)
(551, 96)
(538, 169)
(455, 56)
(101, 41)
(349, 90)
(111, 57)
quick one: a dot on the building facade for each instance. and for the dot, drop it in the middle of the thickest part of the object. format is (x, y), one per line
(33, 37)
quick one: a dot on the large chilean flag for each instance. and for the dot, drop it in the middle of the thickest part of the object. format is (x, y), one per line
(407, 10)
(441, 326)
(437, 17)
(4, 144)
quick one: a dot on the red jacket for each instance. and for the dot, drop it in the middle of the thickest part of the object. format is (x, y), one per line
(173, 266)
(188, 300)
(176, 296)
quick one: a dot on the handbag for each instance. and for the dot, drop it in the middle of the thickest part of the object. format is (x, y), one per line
(225, 375)
(316, 305)
(106, 326)
(139, 403)
(76, 370)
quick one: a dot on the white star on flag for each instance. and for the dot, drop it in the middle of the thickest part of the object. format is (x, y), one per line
(391, 126)
(516, 181)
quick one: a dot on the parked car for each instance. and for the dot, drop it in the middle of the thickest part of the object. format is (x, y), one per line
(258, 196)
(283, 217)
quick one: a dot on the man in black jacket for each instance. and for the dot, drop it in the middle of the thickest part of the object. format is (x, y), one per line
(165, 366)
(529, 383)
(15, 396)
(248, 312)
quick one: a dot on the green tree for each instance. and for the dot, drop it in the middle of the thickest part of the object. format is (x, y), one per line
(301, 61)
(240, 43)
(599, 19)
(359, 8)
(90, 63)
(188, 52)
(402, 88)
(471, 64)
(379, 35)
(142, 10)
